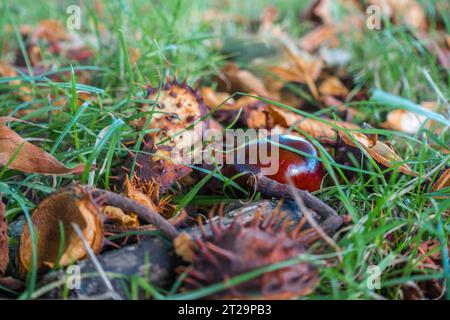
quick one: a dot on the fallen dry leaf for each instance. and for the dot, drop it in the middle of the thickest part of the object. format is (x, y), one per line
(23, 92)
(4, 251)
(407, 121)
(323, 9)
(308, 70)
(381, 152)
(429, 259)
(67, 206)
(50, 30)
(29, 159)
(442, 182)
(315, 128)
(332, 86)
(244, 81)
(213, 98)
(318, 36)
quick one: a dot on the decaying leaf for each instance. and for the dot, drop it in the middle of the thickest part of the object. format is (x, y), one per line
(315, 128)
(244, 81)
(381, 152)
(60, 42)
(332, 86)
(50, 30)
(299, 68)
(7, 71)
(213, 98)
(315, 38)
(4, 251)
(27, 157)
(442, 182)
(62, 208)
(407, 121)
(429, 259)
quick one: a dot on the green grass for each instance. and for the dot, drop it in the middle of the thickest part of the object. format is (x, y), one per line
(172, 38)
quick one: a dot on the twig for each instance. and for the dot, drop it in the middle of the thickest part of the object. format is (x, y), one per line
(269, 187)
(129, 206)
(309, 217)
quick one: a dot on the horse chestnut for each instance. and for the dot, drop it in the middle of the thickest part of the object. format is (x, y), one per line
(305, 172)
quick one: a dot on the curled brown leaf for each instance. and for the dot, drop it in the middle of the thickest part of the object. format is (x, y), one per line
(21, 155)
(442, 182)
(316, 128)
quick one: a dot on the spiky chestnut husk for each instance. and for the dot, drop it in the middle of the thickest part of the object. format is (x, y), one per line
(243, 247)
(155, 165)
(178, 110)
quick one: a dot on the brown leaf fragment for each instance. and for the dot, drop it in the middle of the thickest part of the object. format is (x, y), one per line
(308, 70)
(28, 157)
(213, 98)
(407, 121)
(403, 121)
(4, 251)
(381, 152)
(429, 259)
(49, 30)
(332, 86)
(67, 206)
(315, 128)
(23, 91)
(442, 182)
(315, 38)
(244, 81)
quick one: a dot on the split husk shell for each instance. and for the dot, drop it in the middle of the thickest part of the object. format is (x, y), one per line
(55, 213)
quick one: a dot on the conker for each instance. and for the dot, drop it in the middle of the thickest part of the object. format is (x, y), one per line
(305, 172)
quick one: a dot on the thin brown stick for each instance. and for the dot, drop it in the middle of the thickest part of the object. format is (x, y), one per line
(308, 214)
(271, 188)
(129, 206)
